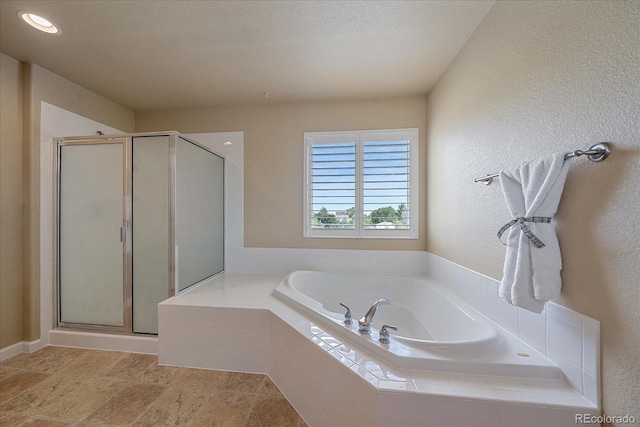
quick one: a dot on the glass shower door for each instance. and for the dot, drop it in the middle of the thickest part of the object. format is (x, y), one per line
(91, 264)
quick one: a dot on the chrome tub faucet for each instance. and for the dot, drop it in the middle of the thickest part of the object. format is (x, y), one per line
(364, 324)
(384, 333)
(347, 316)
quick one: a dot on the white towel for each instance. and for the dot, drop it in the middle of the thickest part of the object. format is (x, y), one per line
(532, 275)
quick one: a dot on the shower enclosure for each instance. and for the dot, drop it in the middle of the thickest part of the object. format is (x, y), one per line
(139, 218)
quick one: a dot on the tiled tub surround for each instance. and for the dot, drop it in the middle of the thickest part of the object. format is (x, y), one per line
(569, 339)
(434, 328)
(233, 323)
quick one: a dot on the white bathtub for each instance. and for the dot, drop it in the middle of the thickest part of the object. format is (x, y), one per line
(436, 330)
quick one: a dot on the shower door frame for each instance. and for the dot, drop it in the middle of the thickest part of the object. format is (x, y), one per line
(125, 233)
(127, 141)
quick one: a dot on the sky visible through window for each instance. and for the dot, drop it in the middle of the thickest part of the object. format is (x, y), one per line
(384, 183)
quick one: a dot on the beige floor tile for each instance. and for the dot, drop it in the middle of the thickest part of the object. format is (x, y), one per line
(155, 374)
(30, 360)
(11, 420)
(69, 397)
(15, 382)
(197, 378)
(175, 407)
(6, 372)
(241, 382)
(30, 401)
(269, 388)
(131, 366)
(43, 422)
(225, 409)
(271, 411)
(220, 380)
(127, 405)
(59, 386)
(59, 359)
(93, 363)
(83, 398)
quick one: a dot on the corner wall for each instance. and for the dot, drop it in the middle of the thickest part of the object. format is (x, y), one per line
(274, 156)
(534, 79)
(11, 263)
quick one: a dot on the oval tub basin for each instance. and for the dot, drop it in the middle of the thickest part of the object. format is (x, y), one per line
(436, 329)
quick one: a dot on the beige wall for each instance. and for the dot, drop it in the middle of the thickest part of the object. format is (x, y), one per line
(42, 85)
(11, 279)
(273, 159)
(537, 78)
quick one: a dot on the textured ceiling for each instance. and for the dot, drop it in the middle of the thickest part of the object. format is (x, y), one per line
(155, 55)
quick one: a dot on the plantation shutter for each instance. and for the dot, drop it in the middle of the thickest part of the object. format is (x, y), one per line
(361, 184)
(386, 185)
(333, 185)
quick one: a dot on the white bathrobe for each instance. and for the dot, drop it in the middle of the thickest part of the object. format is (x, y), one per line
(532, 275)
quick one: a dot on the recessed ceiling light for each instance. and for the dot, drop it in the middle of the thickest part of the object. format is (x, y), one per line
(39, 22)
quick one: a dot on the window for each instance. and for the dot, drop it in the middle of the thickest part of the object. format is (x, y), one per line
(361, 184)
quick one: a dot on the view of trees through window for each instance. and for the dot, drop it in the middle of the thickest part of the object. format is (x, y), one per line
(385, 216)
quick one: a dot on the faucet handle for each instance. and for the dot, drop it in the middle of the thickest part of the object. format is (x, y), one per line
(348, 319)
(384, 333)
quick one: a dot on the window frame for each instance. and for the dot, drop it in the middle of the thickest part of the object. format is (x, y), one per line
(360, 137)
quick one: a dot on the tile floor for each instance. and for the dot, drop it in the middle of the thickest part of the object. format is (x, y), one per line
(59, 386)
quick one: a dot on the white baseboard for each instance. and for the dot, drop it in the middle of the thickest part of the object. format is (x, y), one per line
(94, 341)
(131, 344)
(20, 347)
(10, 351)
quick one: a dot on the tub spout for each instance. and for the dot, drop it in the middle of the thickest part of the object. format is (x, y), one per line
(364, 324)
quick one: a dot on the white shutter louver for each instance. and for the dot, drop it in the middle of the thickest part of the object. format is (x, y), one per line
(386, 185)
(333, 185)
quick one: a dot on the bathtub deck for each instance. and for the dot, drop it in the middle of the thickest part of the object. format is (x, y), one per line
(232, 322)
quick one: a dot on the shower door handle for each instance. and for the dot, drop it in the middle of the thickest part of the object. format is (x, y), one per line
(125, 221)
